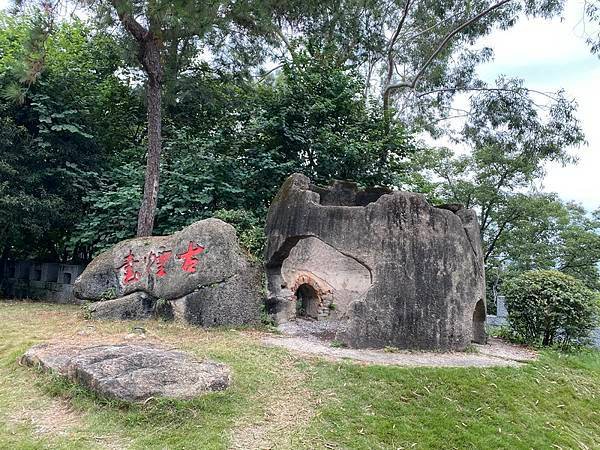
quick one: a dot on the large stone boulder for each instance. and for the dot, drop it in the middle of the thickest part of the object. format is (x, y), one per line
(391, 268)
(199, 274)
(131, 372)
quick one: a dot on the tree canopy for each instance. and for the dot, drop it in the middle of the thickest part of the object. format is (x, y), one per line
(249, 92)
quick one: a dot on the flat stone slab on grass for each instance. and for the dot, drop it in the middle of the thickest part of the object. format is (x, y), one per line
(131, 372)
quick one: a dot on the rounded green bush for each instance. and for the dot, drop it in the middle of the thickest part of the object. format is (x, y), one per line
(549, 307)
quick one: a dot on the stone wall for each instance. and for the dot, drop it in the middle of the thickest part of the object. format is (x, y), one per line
(52, 282)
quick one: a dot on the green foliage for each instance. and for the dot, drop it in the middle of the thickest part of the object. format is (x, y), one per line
(265, 318)
(249, 227)
(57, 137)
(551, 235)
(548, 307)
(510, 143)
(111, 208)
(108, 294)
(73, 125)
(320, 122)
(234, 145)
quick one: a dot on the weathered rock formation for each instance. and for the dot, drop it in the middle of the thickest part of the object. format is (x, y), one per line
(131, 372)
(198, 275)
(394, 270)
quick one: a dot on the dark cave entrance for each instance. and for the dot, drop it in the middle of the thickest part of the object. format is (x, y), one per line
(307, 302)
(479, 335)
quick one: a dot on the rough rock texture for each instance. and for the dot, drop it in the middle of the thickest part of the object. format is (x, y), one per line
(327, 271)
(131, 372)
(426, 278)
(136, 306)
(200, 268)
(219, 303)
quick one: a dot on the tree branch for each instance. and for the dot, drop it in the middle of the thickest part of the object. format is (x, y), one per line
(426, 30)
(486, 89)
(285, 41)
(390, 58)
(394, 38)
(266, 74)
(440, 47)
(133, 26)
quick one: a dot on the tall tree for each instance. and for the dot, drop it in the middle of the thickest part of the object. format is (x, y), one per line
(153, 24)
(510, 140)
(551, 234)
(71, 111)
(415, 55)
(235, 143)
(163, 30)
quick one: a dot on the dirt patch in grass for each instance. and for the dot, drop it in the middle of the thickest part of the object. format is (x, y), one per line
(497, 348)
(56, 418)
(299, 337)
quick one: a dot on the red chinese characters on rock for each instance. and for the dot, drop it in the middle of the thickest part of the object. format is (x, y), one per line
(160, 260)
(189, 257)
(131, 275)
(156, 263)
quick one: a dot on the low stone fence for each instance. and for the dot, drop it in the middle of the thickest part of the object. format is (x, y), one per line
(501, 316)
(52, 282)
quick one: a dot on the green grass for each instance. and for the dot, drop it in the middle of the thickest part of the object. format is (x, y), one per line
(280, 400)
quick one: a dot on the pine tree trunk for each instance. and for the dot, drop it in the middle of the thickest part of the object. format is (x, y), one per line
(149, 56)
(148, 206)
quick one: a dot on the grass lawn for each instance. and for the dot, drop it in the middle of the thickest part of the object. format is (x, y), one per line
(281, 400)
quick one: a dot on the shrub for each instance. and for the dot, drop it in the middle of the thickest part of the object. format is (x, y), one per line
(549, 307)
(249, 227)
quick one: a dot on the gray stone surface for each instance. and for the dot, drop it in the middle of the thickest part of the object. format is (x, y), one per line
(328, 271)
(496, 321)
(136, 306)
(131, 372)
(425, 263)
(501, 316)
(200, 268)
(230, 302)
(501, 310)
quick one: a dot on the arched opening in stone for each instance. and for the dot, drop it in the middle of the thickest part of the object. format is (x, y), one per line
(479, 335)
(307, 302)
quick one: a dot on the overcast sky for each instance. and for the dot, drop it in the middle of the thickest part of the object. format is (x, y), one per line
(550, 55)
